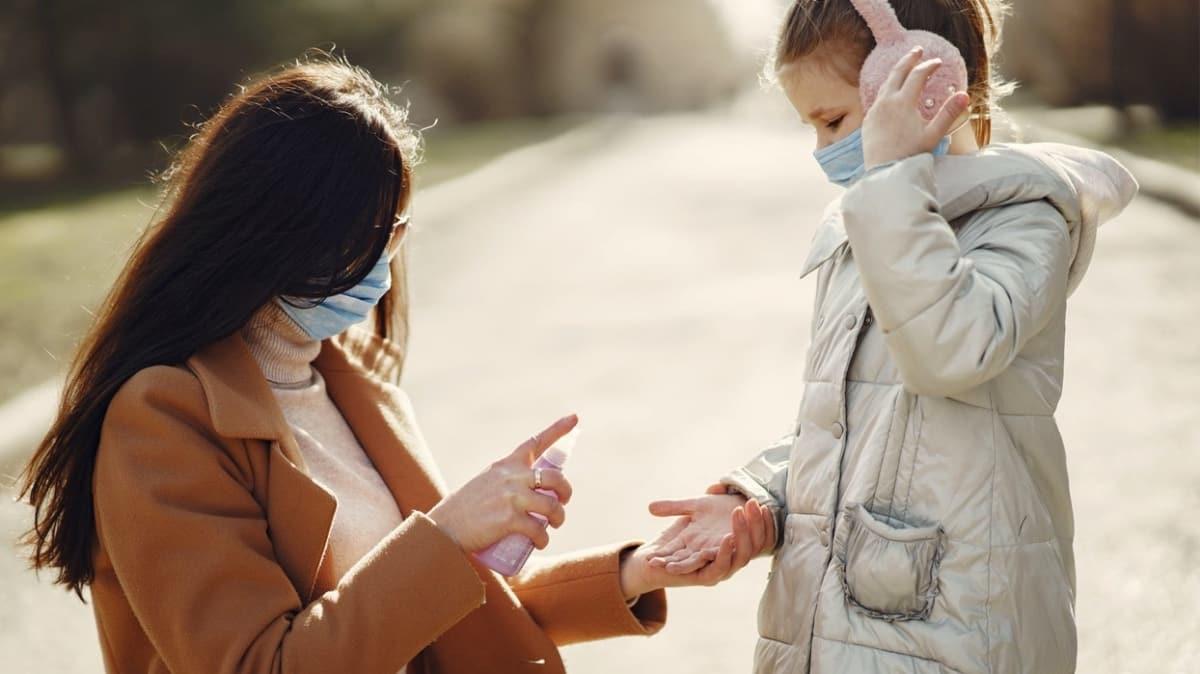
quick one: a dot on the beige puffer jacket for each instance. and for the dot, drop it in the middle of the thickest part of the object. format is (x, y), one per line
(923, 498)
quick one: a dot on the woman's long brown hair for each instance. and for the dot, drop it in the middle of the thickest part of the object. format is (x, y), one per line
(290, 189)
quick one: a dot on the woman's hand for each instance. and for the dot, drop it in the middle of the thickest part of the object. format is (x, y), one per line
(498, 501)
(715, 536)
(894, 128)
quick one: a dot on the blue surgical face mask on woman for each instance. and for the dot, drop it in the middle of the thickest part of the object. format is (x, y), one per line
(337, 313)
(844, 161)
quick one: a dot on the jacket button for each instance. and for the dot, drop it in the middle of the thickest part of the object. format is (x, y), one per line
(851, 321)
(838, 430)
(823, 536)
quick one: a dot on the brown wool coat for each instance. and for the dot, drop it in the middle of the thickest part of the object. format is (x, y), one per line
(211, 538)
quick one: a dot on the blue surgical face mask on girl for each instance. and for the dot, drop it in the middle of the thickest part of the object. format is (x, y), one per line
(336, 314)
(844, 162)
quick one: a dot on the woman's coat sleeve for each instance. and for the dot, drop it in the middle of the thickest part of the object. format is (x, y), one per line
(577, 597)
(953, 318)
(190, 548)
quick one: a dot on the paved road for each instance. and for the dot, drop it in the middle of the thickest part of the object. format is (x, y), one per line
(644, 274)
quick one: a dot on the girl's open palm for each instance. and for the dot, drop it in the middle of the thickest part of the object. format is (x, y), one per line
(706, 525)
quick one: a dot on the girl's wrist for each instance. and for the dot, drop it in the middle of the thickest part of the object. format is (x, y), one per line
(632, 580)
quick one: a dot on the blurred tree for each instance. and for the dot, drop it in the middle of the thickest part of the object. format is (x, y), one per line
(634, 56)
(105, 81)
(122, 75)
(1156, 55)
(1070, 52)
(58, 80)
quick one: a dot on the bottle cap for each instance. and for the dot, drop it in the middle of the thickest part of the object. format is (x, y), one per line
(561, 449)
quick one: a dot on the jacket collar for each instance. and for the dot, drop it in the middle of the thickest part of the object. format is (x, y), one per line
(962, 184)
(1086, 186)
(828, 239)
(239, 404)
(299, 510)
(354, 365)
(242, 405)
(955, 200)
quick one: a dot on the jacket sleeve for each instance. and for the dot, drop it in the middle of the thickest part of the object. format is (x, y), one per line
(191, 551)
(765, 479)
(577, 597)
(953, 318)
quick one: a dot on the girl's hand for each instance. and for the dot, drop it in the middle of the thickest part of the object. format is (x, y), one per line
(715, 536)
(497, 502)
(711, 519)
(894, 128)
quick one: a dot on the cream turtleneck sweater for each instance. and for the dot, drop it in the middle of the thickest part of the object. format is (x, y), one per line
(366, 510)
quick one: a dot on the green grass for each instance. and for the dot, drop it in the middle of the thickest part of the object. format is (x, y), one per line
(56, 262)
(59, 254)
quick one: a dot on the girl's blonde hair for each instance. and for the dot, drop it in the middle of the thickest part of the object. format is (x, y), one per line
(971, 25)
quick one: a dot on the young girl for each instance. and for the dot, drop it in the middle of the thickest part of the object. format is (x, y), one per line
(923, 513)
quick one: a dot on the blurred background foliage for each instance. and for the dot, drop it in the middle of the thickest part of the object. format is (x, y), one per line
(91, 86)
(1119, 52)
(94, 95)
(1135, 64)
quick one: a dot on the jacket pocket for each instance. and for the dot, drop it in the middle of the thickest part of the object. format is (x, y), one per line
(889, 570)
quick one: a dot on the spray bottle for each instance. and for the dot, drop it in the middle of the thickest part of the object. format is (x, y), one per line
(509, 554)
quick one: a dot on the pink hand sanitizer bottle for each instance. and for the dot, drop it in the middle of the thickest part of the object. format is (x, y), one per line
(509, 554)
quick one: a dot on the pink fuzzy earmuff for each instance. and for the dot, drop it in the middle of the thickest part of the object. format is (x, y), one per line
(893, 42)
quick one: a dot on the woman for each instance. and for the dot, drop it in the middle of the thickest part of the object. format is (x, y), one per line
(235, 474)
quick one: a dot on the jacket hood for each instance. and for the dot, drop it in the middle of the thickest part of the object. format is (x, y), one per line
(1087, 187)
